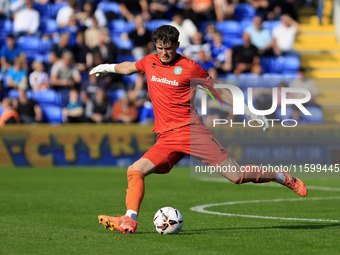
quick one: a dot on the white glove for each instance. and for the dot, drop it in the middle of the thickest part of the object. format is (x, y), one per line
(260, 119)
(103, 69)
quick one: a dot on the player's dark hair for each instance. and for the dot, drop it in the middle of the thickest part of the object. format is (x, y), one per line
(165, 34)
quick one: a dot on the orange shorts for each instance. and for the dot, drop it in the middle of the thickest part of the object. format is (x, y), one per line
(195, 140)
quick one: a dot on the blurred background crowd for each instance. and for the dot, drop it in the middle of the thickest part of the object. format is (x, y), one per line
(48, 48)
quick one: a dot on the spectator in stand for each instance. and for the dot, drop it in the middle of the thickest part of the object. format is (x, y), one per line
(105, 49)
(4, 9)
(90, 87)
(38, 79)
(204, 60)
(16, 75)
(93, 34)
(85, 17)
(224, 9)
(141, 38)
(65, 13)
(260, 37)
(289, 7)
(130, 8)
(284, 36)
(246, 57)
(64, 73)
(16, 5)
(98, 109)
(305, 83)
(9, 52)
(185, 27)
(26, 21)
(82, 54)
(9, 115)
(124, 110)
(106, 52)
(221, 54)
(204, 8)
(191, 51)
(264, 8)
(210, 30)
(27, 108)
(74, 111)
(59, 48)
(158, 9)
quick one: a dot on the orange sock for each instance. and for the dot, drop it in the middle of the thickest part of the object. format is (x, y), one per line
(135, 190)
(253, 173)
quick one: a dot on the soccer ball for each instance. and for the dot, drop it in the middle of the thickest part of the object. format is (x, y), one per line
(168, 220)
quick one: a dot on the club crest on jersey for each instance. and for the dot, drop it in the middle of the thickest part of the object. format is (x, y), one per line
(178, 70)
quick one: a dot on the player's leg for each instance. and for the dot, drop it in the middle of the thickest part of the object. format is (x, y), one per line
(159, 159)
(136, 186)
(205, 146)
(255, 174)
(134, 197)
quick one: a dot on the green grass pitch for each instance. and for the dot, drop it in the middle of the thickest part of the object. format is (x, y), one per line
(54, 211)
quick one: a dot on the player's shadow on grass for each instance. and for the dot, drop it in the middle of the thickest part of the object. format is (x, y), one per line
(309, 226)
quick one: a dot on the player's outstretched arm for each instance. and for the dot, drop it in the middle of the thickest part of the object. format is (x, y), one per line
(227, 97)
(121, 68)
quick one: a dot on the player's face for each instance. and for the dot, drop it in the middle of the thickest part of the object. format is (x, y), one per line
(167, 51)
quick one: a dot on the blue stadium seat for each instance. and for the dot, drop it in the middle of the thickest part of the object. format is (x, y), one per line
(13, 93)
(271, 80)
(270, 65)
(52, 114)
(317, 115)
(232, 41)
(115, 94)
(244, 12)
(47, 97)
(271, 24)
(48, 26)
(129, 79)
(109, 7)
(30, 45)
(244, 24)
(55, 8)
(122, 58)
(289, 64)
(247, 80)
(226, 76)
(153, 24)
(43, 9)
(289, 77)
(121, 44)
(146, 113)
(1, 110)
(229, 27)
(6, 27)
(45, 45)
(120, 26)
(44, 58)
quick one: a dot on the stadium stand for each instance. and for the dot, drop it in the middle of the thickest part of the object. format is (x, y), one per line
(275, 69)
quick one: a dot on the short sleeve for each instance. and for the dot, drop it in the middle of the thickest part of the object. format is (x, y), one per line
(201, 76)
(140, 65)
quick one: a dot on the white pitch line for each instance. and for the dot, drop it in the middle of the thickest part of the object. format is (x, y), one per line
(268, 184)
(202, 209)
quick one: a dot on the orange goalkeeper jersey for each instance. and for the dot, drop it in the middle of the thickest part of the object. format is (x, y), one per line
(170, 90)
